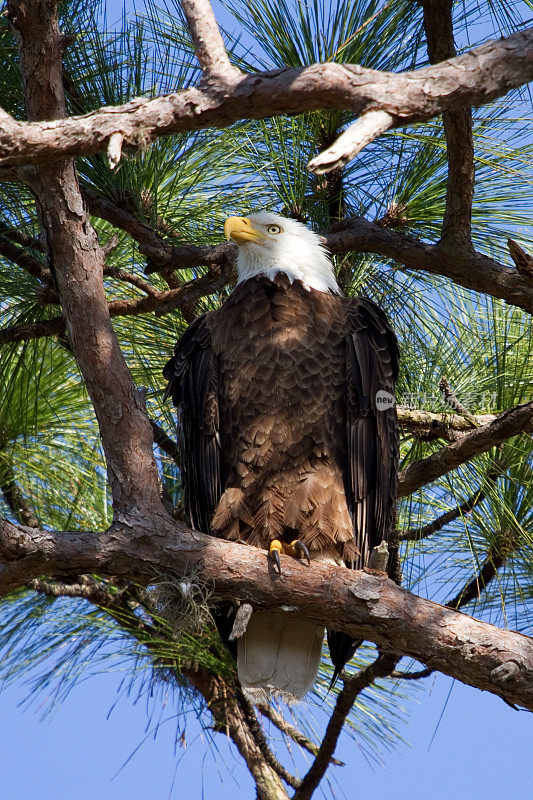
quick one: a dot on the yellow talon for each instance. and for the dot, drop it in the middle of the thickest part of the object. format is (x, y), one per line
(275, 548)
(298, 549)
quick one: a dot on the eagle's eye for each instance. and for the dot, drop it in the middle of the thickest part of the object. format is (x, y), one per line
(274, 229)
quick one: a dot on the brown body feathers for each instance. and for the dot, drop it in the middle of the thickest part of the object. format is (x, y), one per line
(281, 433)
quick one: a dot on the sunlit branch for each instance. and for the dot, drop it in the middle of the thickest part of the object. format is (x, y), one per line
(472, 79)
(364, 605)
(208, 43)
(511, 423)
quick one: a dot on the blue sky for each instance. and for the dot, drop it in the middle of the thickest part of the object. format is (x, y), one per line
(480, 749)
(462, 743)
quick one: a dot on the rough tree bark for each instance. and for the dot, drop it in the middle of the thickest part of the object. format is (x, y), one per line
(475, 78)
(367, 605)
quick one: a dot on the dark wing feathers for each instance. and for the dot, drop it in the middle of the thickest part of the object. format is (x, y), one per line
(192, 375)
(371, 367)
(372, 438)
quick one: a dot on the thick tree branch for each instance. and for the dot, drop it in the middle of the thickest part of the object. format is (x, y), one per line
(466, 267)
(353, 686)
(364, 605)
(208, 44)
(456, 226)
(77, 263)
(511, 423)
(472, 79)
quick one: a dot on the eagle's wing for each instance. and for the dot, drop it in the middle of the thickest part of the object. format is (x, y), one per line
(372, 441)
(192, 375)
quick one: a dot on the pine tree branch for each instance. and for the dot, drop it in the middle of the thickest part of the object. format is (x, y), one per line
(77, 263)
(162, 302)
(167, 445)
(511, 423)
(364, 605)
(208, 43)
(466, 267)
(456, 226)
(473, 590)
(14, 498)
(231, 719)
(150, 243)
(428, 425)
(416, 534)
(292, 732)
(353, 686)
(19, 256)
(472, 79)
(496, 558)
(522, 260)
(257, 732)
(128, 277)
(19, 237)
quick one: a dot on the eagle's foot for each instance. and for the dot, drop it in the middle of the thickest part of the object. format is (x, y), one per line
(296, 549)
(275, 548)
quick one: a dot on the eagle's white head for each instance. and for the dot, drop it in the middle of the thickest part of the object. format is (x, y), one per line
(269, 243)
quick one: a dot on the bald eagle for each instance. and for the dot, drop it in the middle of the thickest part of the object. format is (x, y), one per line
(288, 432)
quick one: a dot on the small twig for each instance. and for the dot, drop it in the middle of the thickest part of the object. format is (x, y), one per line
(114, 149)
(412, 676)
(522, 260)
(111, 245)
(453, 402)
(292, 732)
(167, 445)
(129, 277)
(379, 557)
(351, 141)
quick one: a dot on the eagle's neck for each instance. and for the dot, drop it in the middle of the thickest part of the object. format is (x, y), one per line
(313, 269)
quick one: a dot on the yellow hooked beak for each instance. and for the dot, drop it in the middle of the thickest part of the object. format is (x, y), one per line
(241, 231)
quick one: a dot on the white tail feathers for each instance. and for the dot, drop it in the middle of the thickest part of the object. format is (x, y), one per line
(278, 655)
